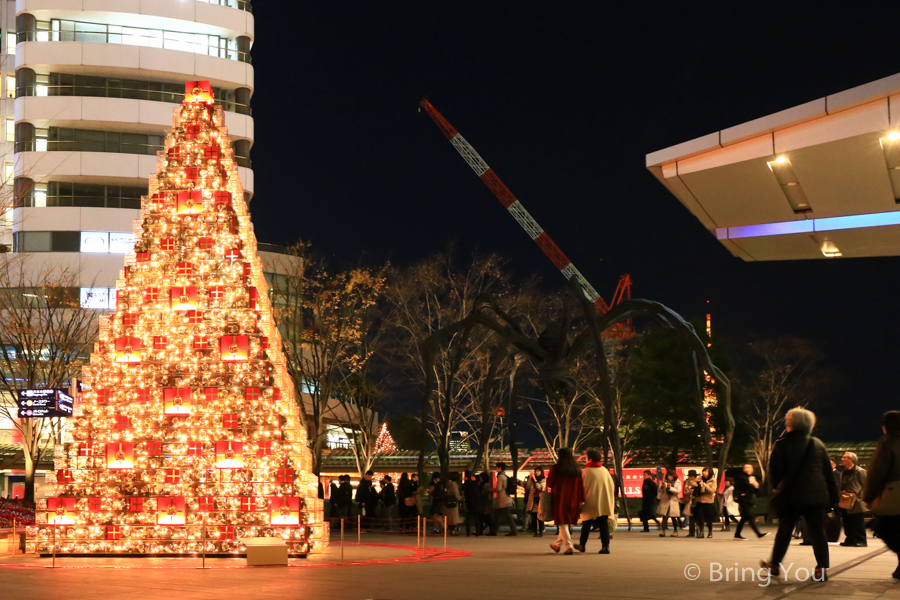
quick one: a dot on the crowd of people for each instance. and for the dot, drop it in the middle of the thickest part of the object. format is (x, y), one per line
(809, 495)
(15, 511)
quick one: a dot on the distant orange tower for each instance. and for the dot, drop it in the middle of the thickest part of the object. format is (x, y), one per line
(188, 435)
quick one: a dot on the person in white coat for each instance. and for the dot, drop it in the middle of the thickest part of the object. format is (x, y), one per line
(669, 491)
(599, 501)
(730, 508)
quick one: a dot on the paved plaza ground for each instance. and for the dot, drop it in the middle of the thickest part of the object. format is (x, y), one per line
(389, 567)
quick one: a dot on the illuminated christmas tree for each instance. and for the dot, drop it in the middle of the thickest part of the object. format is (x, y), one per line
(189, 421)
(384, 442)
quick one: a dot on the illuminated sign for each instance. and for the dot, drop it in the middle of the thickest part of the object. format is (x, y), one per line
(114, 242)
(44, 403)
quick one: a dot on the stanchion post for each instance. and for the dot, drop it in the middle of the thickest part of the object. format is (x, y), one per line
(15, 537)
(418, 529)
(342, 539)
(203, 543)
(54, 546)
(424, 533)
(358, 529)
(445, 534)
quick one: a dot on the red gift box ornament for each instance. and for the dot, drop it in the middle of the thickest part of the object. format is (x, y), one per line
(226, 532)
(151, 294)
(195, 449)
(95, 504)
(184, 268)
(230, 421)
(206, 503)
(222, 199)
(122, 422)
(212, 153)
(85, 449)
(170, 511)
(167, 244)
(285, 510)
(234, 347)
(217, 292)
(253, 294)
(264, 448)
(158, 201)
(190, 203)
(251, 394)
(173, 476)
(129, 319)
(154, 448)
(61, 511)
(192, 132)
(284, 475)
(233, 253)
(210, 395)
(135, 504)
(198, 91)
(113, 532)
(194, 317)
(120, 455)
(206, 243)
(229, 455)
(160, 342)
(183, 297)
(201, 342)
(174, 154)
(142, 257)
(177, 401)
(143, 395)
(104, 396)
(128, 349)
(253, 504)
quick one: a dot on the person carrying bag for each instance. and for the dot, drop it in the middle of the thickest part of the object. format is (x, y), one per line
(882, 491)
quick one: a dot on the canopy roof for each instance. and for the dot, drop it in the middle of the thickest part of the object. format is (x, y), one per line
(819, 180)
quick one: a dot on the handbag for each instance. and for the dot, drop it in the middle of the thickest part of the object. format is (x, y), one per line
(546, 507)
(847, 501)
(776, 499)
(409, 501)
(888, 503)
(451, 502)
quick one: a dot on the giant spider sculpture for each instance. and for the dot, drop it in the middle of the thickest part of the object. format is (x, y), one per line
(553, 355)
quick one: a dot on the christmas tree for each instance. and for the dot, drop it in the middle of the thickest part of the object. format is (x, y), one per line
(187, 435)
(384, 442)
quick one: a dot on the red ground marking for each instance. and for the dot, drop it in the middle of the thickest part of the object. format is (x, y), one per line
(415, 556)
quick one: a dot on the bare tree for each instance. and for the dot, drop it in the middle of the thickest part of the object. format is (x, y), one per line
(323, 318)
(45, 337)
(358, 399)
(425, 298)
(784, 372)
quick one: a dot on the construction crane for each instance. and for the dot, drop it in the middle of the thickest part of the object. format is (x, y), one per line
(531, 227)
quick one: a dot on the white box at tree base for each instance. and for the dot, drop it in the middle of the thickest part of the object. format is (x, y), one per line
(265, 551)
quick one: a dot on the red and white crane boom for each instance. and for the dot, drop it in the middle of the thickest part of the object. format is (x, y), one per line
(531, 227)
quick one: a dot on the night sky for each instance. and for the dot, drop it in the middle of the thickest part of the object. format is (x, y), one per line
(564, 103)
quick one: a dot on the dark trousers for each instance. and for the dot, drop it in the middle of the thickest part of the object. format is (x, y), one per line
(474, 517)
(506, 515)
(538, 524)
(888, 529)
(648, 513)
(487, 523)
(814, 515)
(601, 523)
(854, 528)
(747, 518)
(706, 514)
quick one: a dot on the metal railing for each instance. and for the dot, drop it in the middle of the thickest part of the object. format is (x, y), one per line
(131, 93)
(168, 40)
(86, 146)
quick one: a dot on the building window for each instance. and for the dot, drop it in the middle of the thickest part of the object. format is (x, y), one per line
(63, 193)
(10, 86)
(106, 242)
(61, 30)
(11, 42)
(10, 129)
(8, 173)
(62, 139)
(98, 298)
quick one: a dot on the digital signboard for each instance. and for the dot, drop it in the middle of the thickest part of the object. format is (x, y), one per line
(44, 403)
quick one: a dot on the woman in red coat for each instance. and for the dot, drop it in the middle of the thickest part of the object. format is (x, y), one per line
(567, 490)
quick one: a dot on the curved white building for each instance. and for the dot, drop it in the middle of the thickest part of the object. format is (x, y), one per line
(89, 89)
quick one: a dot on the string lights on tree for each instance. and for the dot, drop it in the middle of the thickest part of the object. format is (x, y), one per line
(384, 442)
(188, 436)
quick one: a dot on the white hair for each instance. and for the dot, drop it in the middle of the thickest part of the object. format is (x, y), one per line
(801, 420)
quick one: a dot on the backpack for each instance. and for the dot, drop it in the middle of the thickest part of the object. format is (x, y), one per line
(512, 486)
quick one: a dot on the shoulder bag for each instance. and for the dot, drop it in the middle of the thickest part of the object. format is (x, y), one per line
(887, 504)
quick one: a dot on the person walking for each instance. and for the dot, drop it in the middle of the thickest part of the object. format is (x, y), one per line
(705, 494)
(745, 488)
(535, 486)
(472, 493)
(437, 490)
(730, 508)
(332, 494)
(649, 491)
(803, 486)
(882, 491)
(853, 480)
(406, 505)
(343, 497)
(669, 507)
(451, 504)
(487, 504)
(503, 502)
(567, 491)
(388, 497)
(599, 501)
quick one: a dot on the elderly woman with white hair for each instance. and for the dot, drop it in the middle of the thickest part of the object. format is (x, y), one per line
(802, 486)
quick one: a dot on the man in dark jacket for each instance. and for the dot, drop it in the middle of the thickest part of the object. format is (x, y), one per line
(853, 480)
(343, 497)
(474, 504)
(367, 498)
(803, 486)
(745, 487)
(649, 489)
(389, 500)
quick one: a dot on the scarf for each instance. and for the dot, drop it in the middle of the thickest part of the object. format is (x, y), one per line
(594, 465)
